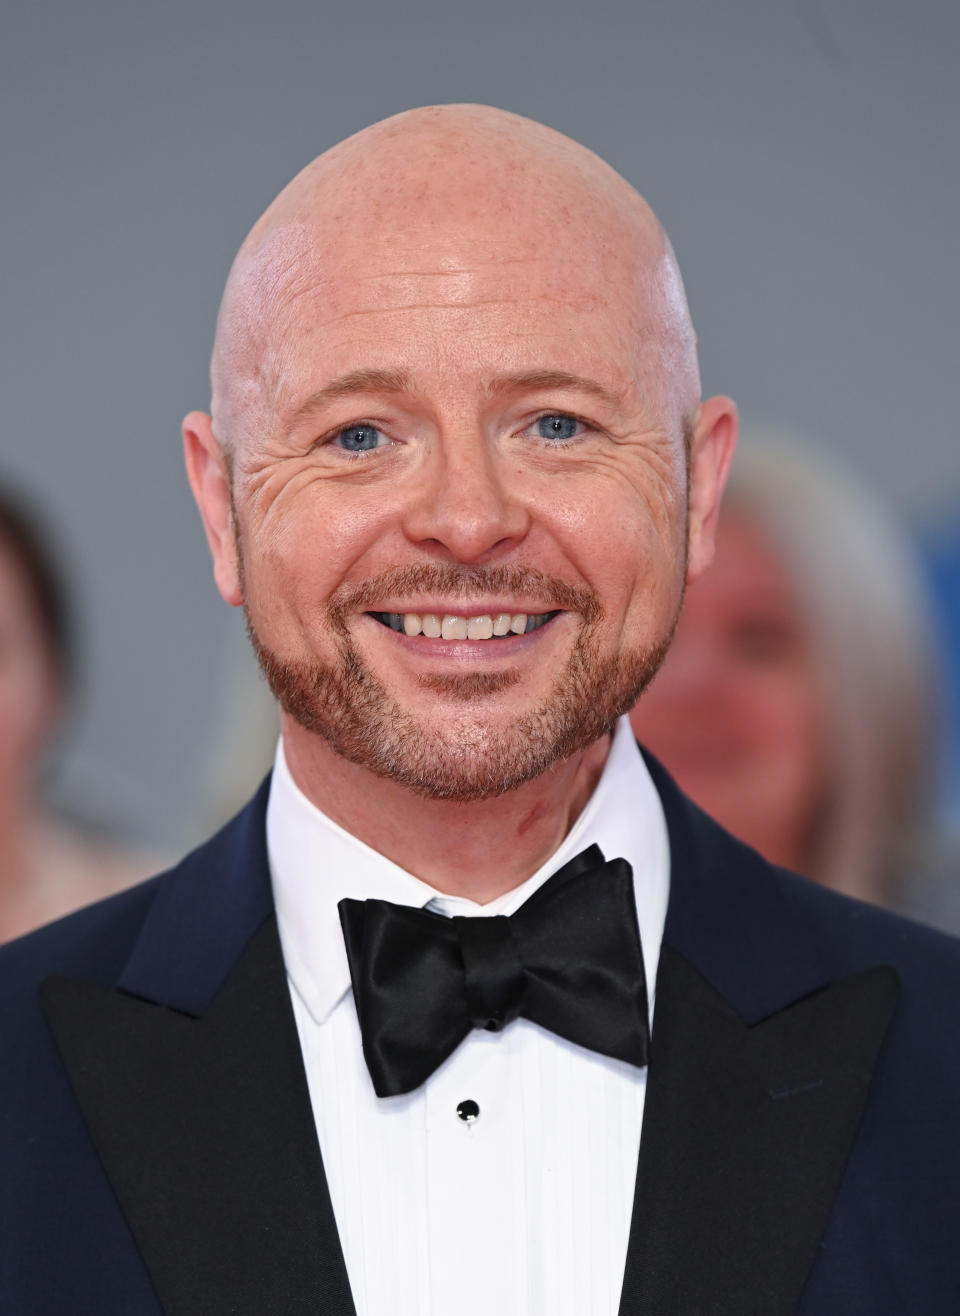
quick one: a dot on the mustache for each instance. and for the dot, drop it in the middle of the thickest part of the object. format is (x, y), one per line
(465, 582)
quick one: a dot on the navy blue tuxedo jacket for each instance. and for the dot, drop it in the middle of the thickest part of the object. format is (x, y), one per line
(801, 1139)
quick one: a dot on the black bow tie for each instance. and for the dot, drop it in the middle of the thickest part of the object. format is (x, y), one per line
(569, 960)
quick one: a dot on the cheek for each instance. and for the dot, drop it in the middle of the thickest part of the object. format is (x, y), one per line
(27, 706)
(298, 554)
(631, 551)
(786, 697)
(786, 720)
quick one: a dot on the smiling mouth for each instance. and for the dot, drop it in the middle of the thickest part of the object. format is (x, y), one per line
(487, 626)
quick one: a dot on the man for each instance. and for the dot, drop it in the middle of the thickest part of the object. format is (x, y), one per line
(458, 472)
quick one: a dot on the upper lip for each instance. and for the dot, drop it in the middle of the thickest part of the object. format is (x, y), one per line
(465, 608)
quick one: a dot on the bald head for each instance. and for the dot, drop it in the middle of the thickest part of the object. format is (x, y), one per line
(441, 197)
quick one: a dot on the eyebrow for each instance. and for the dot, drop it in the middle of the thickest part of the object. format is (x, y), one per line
(533, 380)
(375, 380)
(370, 380)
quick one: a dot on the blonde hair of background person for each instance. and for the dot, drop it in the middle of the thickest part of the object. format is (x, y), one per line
(862, 602)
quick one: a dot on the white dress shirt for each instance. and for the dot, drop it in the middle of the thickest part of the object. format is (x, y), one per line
(526, 1210)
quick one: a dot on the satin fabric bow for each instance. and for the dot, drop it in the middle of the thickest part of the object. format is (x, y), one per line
(569, 960)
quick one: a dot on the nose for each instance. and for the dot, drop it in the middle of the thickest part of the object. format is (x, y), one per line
(466, 508)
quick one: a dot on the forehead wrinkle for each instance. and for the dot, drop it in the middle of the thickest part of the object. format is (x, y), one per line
(273, 350)
(564, 280)
(447, 271)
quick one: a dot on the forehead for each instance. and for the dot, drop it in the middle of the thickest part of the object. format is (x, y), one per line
(453, 298)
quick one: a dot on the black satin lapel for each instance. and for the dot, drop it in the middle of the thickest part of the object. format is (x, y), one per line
(746, 1133)
(205, 1130)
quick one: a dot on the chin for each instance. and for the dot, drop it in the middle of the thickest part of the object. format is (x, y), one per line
(478, 735)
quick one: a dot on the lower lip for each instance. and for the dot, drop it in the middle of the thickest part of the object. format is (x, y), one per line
(508, 646)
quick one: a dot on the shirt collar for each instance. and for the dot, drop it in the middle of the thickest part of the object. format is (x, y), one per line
(315, 863)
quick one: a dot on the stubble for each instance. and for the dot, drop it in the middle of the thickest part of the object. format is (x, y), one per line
(471, 755)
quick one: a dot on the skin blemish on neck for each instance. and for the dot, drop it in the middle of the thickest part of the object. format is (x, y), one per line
(534, 815)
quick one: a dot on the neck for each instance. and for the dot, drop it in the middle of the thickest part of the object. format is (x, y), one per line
(478, 850)
(21, 905)
(17, 827)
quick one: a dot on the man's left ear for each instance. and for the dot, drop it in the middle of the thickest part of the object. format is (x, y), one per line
(711, 452)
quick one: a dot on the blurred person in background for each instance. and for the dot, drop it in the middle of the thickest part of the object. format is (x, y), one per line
(797, 704)
(48, 867)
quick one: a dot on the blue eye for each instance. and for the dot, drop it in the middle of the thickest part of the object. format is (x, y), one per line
(358, 438)
(557, 427)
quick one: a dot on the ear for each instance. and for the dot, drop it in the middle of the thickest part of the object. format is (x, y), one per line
(711, 451)
(210, 482)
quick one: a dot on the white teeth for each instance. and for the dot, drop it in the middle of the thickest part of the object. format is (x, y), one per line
(479, 628)
(454, 628)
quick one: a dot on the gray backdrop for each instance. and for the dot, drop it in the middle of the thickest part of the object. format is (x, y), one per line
(803, 155)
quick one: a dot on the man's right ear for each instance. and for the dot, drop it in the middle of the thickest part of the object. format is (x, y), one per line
(210, 482)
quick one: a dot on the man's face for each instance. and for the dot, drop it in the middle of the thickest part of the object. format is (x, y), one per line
(461, 430)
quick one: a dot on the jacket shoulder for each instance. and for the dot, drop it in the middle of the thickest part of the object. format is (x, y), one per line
(92, 943)
(850, 930)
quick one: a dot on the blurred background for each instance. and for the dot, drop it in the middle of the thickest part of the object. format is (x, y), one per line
(801, 154)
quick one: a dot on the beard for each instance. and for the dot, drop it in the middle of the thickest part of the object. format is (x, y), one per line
(472, 755)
